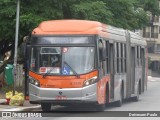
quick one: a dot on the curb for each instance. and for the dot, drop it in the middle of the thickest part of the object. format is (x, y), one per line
(23, 108)
(3, 101)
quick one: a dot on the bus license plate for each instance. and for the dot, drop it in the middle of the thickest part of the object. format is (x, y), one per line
(61, 98)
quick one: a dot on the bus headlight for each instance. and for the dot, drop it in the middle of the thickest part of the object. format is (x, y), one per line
(34, 82)
(90, 81)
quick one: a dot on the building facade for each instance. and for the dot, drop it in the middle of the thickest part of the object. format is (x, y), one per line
(152, 36)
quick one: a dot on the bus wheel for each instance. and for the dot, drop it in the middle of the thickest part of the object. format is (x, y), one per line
(100, 107)
(46, 106)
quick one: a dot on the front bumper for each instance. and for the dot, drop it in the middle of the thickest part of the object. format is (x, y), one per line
(74, 95)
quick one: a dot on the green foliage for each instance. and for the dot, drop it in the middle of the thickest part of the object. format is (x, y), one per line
(151, 5)
(128, 14)
(7, 19)
(92, 11)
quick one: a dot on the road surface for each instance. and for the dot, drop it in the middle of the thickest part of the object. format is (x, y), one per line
(149, 101)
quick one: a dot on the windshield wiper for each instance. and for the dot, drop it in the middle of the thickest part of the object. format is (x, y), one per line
(72, 69)
(48, 72)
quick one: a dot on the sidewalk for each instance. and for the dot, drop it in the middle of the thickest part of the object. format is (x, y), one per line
(155, 74)
(26, 107)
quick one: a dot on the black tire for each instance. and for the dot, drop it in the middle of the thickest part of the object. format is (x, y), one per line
(94, 107)
(100, 108)
(46, 107)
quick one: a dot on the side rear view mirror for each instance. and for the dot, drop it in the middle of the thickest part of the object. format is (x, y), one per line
(26, 39)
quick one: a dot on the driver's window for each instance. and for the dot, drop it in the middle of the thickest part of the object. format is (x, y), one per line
(55, 60)
(50, 56)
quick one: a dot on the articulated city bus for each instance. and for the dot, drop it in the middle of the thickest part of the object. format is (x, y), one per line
(84, 62)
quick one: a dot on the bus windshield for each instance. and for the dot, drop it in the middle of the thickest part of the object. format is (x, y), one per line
(62, 60)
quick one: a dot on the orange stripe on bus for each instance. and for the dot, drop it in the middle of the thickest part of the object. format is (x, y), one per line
(62, 81)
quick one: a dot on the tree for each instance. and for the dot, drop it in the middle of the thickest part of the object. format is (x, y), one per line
(151, 5)
(32, 12)
(92, 10)
(127, 14)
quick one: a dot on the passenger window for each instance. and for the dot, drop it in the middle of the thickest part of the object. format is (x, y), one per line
(107, 57)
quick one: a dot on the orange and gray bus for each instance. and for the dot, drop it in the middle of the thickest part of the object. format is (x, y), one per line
(84, 62)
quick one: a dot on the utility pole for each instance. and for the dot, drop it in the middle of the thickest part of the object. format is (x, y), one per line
(16, 46)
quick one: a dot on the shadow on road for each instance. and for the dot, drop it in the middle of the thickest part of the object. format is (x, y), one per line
(84, 108)
(84, 111)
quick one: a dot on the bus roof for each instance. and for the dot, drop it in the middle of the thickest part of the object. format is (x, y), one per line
(54, 27)
(85, 27)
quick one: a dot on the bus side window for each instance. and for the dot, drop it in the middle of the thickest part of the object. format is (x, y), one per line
(107, 57)
(125, 56)
(102, 56)
(115, 57)
(140, 56)
(137, 56)
(118, 56)
(100, 47)
(122, 68)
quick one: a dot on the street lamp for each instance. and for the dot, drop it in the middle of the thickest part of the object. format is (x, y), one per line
(16, 45)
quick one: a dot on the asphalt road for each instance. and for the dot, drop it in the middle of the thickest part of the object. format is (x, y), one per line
(149, 101)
